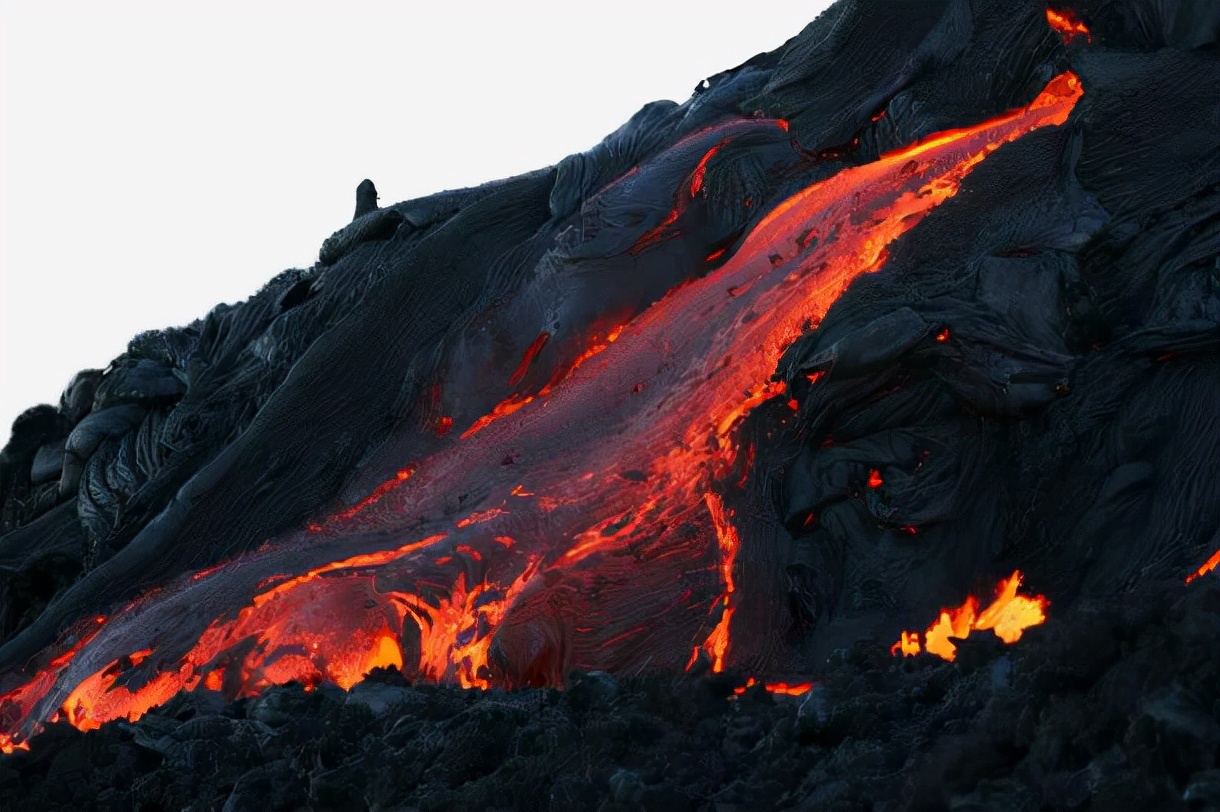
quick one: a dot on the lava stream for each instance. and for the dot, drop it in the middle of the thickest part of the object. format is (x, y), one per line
(610, 529)
(1207, 566)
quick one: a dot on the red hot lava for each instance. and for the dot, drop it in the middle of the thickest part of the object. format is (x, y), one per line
(786, 688)
(608, 544)
(1207, 566)
(1067, 24)
(1008, 616)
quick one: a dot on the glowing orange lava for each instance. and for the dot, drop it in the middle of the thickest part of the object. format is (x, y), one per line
(664, 229)
(455, 635)
(1067, 24)
(786, 688)
(533, 349)
(1208, 565)
(372, 499)
(620, 551)
(696, 179)
(1008, 616)
(717, 642)
(514, 402)
(907, 645)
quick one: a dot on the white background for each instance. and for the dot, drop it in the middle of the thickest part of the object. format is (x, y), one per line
(157, 158)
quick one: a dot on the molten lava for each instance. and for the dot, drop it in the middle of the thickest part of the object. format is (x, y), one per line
(1008, 616)
(1208, 565)
(717, 643)
(610, 542)
(786, 688)
(1067, 24)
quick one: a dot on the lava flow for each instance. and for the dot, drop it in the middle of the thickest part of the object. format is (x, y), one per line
(1008, 616)
(1207, 566)
(1067, 24)
(785, 688)
(611, 541)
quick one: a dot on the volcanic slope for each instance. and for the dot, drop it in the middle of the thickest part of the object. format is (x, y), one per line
(1024, 376)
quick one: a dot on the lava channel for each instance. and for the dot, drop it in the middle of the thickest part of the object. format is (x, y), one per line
(611, 543)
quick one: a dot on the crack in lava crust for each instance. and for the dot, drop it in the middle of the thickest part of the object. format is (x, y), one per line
(607, 544)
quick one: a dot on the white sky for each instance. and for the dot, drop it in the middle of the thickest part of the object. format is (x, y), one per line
(157, 158)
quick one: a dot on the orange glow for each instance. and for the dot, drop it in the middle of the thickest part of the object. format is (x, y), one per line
(1008, 616)
(375, 497)
(653, 235)
(696, 178)
(533, 349)
(907, 645)
(1208, 565)
(607, 534)
(25, 696)
(786, 688)
(514, 402)
(466, 549)
(874, 479)
(204, 573)
(658, 232)
(1054, 103)
(597, 345)
(717, 643)
(789, 688)
(671, 387)
(468, 615)
(8, 746)
(753, 397)
(90, 704)
(356, 561)
(291, 647)
(503, 409)
(943, 335)
(478, 517)
(1067, 24)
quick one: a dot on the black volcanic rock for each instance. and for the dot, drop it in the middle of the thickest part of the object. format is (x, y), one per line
(1030, 381)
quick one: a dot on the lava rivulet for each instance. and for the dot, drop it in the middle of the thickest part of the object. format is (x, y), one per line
(785, 688)
(1207, 566)
(607, 543)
